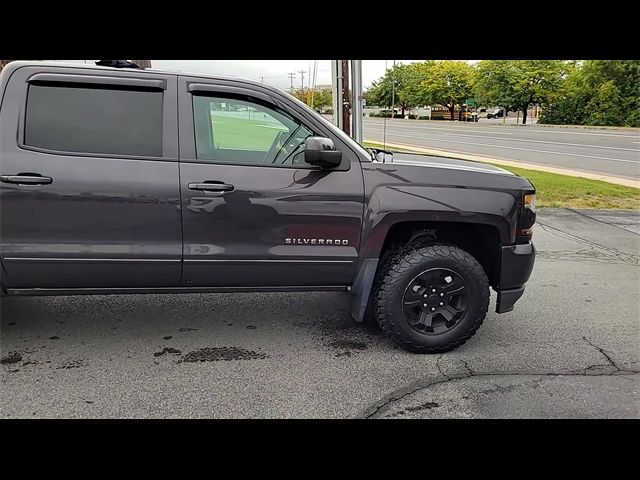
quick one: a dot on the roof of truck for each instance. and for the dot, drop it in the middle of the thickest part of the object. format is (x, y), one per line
(93, 66)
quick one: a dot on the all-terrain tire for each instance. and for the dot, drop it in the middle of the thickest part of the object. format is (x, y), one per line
(399, 273)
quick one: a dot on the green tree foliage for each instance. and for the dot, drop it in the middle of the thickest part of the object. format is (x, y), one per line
(518, 84)
(319, 101)
(446, 83)
(599, 92)
(382, 94)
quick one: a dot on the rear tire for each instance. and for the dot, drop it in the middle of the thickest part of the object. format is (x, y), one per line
(432, 299)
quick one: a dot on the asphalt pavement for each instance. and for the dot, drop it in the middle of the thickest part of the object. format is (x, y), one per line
(612, 152)
(570, 349)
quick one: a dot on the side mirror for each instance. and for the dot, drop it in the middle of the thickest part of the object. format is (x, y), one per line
(322, 152)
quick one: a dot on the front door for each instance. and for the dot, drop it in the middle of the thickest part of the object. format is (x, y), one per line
(90, 193)
(254, 214)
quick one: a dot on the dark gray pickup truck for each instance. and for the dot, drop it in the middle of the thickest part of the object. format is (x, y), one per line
(119, 180)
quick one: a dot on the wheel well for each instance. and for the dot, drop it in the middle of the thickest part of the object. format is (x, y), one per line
(481, 241)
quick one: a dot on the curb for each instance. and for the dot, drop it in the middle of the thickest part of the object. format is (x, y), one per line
(587, 127)
(530, 166)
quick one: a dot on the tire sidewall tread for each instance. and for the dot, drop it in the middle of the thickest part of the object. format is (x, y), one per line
(404, 265)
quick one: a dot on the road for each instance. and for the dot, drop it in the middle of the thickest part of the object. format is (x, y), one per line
(571, 348)
(610, 152)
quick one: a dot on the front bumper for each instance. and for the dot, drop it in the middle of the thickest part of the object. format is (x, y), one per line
(515, 269)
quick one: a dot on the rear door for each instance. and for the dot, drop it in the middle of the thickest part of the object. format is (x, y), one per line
(254, 213)
(89, 192)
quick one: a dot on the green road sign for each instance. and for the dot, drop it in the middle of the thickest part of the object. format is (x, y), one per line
(470, 101)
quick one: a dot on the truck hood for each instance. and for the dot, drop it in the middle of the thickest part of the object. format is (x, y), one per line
(430, 170)
(444, 162)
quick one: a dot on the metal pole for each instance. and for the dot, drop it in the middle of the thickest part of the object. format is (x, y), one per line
(346, 124)
(356, 99)
(291, 77)
(336, 97)
(393, 89)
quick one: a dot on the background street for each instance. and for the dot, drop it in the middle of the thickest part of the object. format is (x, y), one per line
(608, 151)
(570, 349)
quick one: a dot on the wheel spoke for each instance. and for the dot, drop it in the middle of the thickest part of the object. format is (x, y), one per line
(449, 312)
(413, 295)
(426, 318)
(412, 302)
(453, 287)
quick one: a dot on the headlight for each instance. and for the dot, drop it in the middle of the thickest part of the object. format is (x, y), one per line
(528, 215)
(530, 201)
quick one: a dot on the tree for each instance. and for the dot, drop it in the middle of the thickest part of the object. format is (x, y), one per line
(142, 63)
(599, 92)
(383, 94)
(518, 84)
(321, 98)
(448, 83)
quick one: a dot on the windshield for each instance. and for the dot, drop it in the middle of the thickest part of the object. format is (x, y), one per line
(343, 136)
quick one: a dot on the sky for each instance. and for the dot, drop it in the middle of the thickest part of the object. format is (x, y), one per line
(275, 72)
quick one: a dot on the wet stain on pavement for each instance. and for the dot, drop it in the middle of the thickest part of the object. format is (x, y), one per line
(217, 354)
(187, 329)
(424, 406)
(11, 358)
(344, 354)
(167, 350)
(168, 337)
(346, 346)
(72, 364)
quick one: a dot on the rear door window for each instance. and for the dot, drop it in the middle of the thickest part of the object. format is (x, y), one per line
(111, 121)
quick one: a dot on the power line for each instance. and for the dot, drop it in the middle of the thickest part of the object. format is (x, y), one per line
(292, 75)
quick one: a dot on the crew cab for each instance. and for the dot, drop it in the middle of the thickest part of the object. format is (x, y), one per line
(128, 181)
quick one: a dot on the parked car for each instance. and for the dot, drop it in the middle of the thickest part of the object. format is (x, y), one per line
(470, 116)
(496, 113)
(119, 180)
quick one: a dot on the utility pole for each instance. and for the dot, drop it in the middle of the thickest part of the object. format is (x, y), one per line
(336, 92)
(393, 90)
(346, 124)
(301, 72)
(356, 99)
(292, 75)
(262, 79)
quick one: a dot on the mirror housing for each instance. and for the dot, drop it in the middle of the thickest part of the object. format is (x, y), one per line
(321, 151)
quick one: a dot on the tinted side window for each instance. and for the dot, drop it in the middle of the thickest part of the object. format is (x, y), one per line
(94, 120)
(243, 132)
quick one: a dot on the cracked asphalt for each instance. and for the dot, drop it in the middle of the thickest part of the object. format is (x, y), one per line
(570, 349)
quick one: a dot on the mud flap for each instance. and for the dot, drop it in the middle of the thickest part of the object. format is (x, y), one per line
(361, 288)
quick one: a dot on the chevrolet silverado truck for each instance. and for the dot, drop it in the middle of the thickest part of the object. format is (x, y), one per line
(128, 181)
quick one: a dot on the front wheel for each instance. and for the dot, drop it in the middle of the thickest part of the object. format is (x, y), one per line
(432, 299)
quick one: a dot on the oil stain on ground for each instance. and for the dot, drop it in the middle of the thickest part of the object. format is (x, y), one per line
(424, 406)
(216, 354)
(345, 346)
(11, 358)
(72, 364)
(167, 350)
